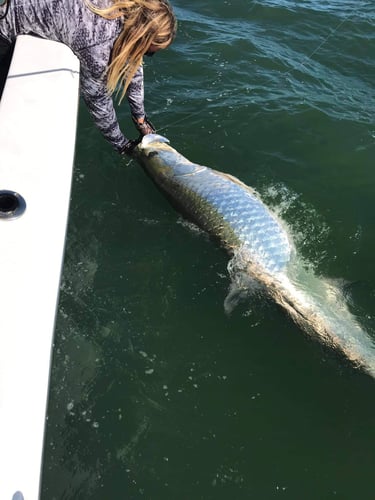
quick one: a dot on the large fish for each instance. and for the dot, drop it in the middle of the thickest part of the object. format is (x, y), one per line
(259, 244)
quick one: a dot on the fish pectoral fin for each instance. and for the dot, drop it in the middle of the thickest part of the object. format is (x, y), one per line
(241, 288)
(235, 296)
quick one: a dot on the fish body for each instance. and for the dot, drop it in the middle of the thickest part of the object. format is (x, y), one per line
(259, 244)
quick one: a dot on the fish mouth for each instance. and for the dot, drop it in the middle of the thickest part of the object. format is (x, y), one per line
(151, 138)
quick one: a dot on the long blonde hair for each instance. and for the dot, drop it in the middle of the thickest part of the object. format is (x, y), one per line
(146, 23)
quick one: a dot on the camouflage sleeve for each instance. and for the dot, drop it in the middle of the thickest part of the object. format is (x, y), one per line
(91, 38)
(100, 105)
(135, 94)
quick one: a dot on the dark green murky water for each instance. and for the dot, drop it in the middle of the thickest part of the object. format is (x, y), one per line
(156, 393)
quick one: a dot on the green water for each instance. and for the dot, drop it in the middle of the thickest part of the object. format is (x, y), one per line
(155, 392)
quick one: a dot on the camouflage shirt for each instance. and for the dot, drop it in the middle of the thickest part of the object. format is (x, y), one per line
(91, 38)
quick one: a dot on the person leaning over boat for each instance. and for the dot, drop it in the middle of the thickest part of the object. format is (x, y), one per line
(110, 39)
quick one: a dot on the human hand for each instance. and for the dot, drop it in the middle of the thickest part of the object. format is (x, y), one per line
(143, 125)
(129, 147)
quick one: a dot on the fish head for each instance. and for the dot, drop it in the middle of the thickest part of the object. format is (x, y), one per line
(152, 153)
(149, 139)
(160, 160)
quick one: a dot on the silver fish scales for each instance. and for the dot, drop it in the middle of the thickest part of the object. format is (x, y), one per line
(259, 244)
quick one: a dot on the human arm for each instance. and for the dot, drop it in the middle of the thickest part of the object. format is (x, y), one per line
(101, 108)
(135, 96)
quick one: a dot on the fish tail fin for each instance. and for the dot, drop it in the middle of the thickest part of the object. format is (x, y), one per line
(319, 308)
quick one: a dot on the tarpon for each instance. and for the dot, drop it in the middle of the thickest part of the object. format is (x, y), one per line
(260, 245)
